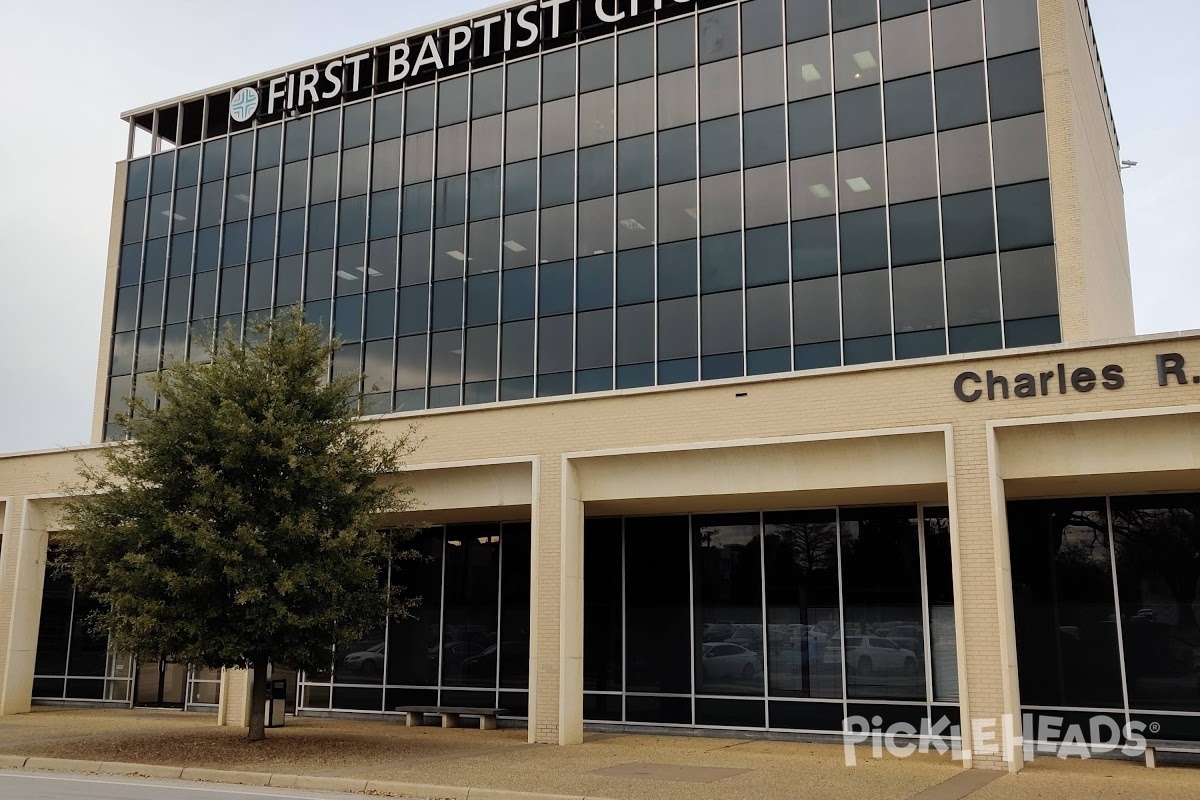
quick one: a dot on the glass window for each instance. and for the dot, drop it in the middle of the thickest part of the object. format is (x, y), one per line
(452, 149)
(916, 234)
(595, 171)
(240, 149)
(677, 155)
(522, 83)
(486, 139)
(635, 277)
(881, 582)
(909, 107)
(594, 341)
(558, 179)
(658, 606)
(768, 313)
(596, 65)
(521, 138)
(718, 35)
(856, 58)
(389, 117)
(595, 280)
(1011, 27)
(814, 248)
(558, 239)
(851, 13)
(862, 178)
(558, 126)
(676, 270)
(906, 46)
(761, 25)
(596, 117)
(520, 186)
(766, 195)
(866, 305)
(961, 97)
(968, 224)
(809, 70)
(677, 211)
(859, 118)
(806, 19)
(555, 344)
(1024, 216)
(635, 108)
(487, 92)
(354, 171)
(917, 298)
(720, 263)
(1015, 83)
(810, 127)
(635, 334)
(720, 146)
(635, 219)
(677, 328)
(972, 290)
(1019, 149)
(958, 34)
(912, 169)
(1029, 283)
(520, 240)
(765, 137)
(890, 9)
(966, 159)
(676, 45)
(721, 323)
(516, 349)
(802, 602)
(728, 596)
(1062, 578)
(721, 203)
(410, 363)
(635, 163)
(864, 240)
(213, 166)
(816, 311)
(326, 130)
(763, 79)
(677, 98)
(719, 89)
(356, 125)
(485, 194)
(813, 187)
(635, 55)
(595, 227)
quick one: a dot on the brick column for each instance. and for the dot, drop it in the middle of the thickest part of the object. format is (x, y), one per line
(22, 574)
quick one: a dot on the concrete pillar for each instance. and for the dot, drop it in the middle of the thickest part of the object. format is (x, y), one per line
(22, 574)
(233, 708)
(570, 695)
(545, 674)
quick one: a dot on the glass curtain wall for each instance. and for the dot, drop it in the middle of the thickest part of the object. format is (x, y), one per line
(465, 644)
(1105, 594)
(71, 662)
(737, 189)
(783, 620)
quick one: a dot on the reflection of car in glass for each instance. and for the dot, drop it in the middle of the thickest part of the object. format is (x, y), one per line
(367, 661)
(867, 654)
(728, 660)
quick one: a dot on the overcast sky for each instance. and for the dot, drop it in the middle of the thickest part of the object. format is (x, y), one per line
(73, 66)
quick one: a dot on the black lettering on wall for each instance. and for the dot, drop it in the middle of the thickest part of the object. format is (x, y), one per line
(1083, 380)
(1113, 379)
(994, 380)
(1171, 364)
(962, 393)
(1026, 385)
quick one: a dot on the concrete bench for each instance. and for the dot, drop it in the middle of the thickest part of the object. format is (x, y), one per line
(414, 716)
(1167, 744)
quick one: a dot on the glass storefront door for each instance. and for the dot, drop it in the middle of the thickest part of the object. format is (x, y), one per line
(161, 684)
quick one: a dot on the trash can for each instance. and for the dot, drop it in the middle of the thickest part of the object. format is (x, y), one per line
(276, 703)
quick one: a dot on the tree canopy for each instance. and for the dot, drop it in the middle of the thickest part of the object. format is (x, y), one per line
(239, 524)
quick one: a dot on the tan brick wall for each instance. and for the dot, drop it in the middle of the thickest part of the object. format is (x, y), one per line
(1095, 290)
(831, 404)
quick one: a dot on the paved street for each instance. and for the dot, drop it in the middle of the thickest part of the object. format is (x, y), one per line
(31, 786)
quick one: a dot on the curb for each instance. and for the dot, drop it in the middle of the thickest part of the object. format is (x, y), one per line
(278, 780)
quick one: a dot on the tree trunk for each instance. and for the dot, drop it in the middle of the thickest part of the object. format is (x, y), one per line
(258, 701)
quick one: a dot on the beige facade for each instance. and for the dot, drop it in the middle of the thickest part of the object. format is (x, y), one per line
(850, 435)
(885, 433)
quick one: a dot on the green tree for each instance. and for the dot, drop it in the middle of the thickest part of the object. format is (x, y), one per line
(240, 524)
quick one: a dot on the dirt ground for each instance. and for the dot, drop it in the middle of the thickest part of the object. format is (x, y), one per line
(607, 765)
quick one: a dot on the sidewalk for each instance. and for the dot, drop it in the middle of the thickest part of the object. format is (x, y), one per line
(623, 767)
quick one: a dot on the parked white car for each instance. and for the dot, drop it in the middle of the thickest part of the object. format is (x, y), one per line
(728, 660)
(869, 654)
